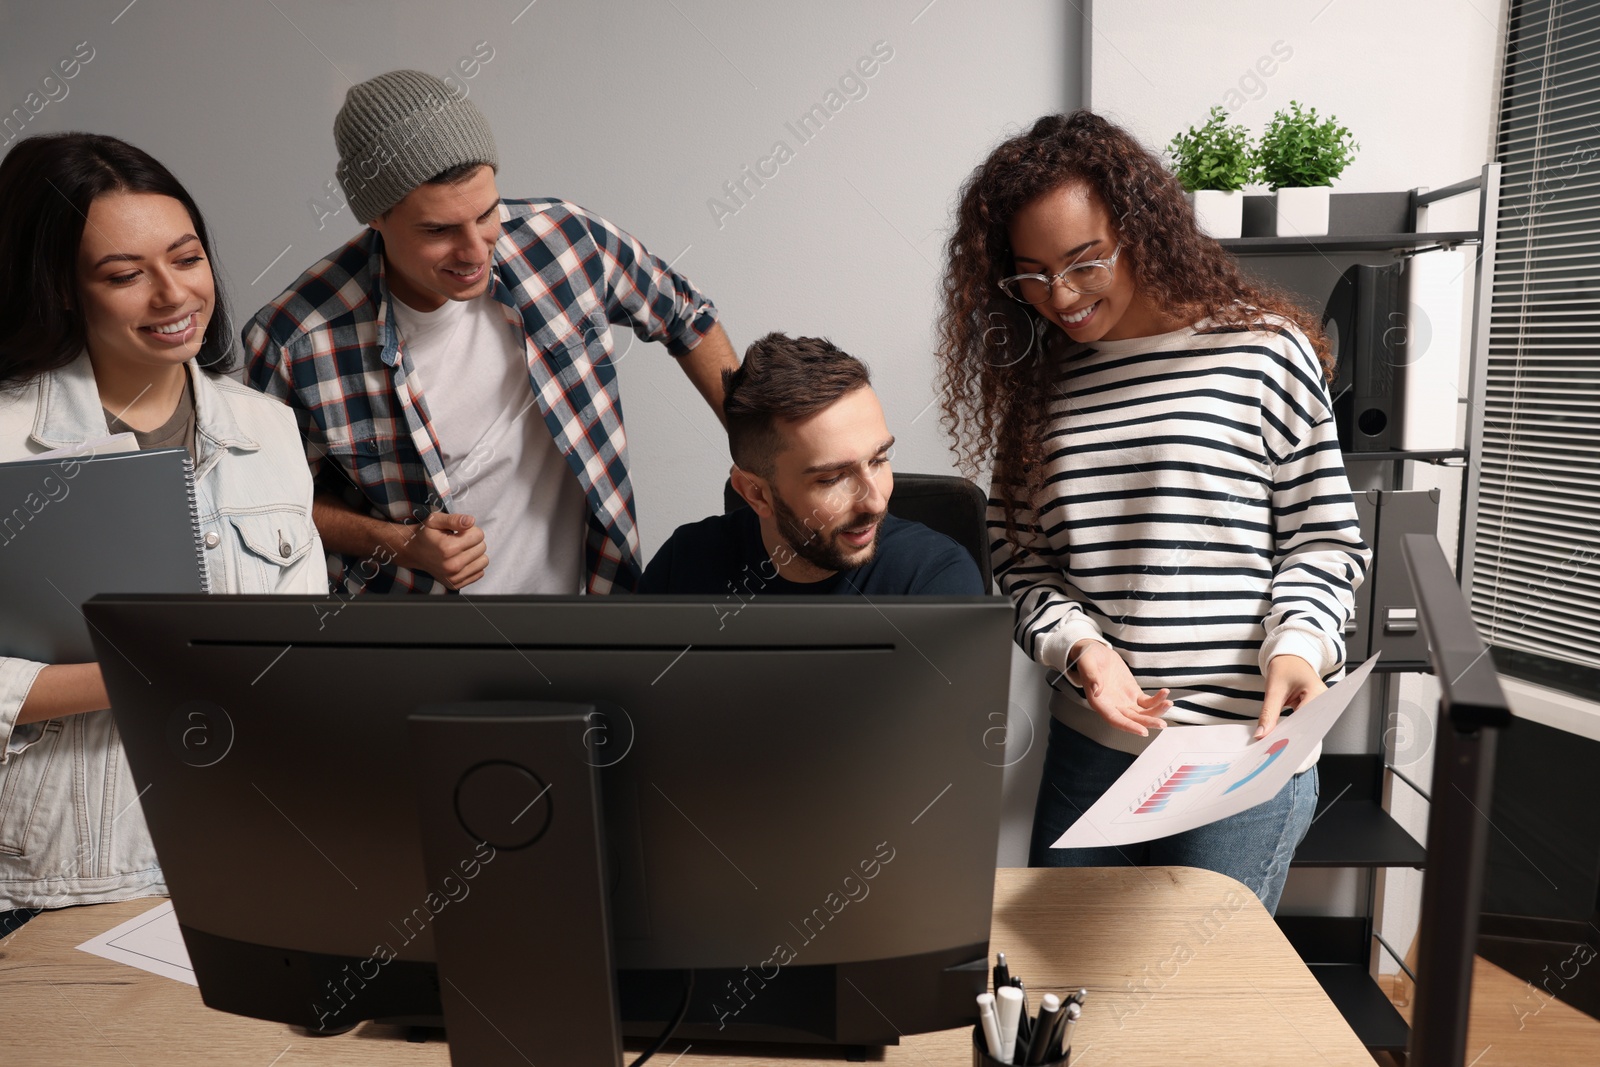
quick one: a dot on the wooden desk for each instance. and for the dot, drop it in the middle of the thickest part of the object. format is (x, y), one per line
(1183, 967)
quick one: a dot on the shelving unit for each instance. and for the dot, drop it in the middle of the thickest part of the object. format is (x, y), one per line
(1355, 830)
(1438, 456)
(1353, 827)
(1337, 245)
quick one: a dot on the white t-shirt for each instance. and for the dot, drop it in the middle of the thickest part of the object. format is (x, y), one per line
(504, 469)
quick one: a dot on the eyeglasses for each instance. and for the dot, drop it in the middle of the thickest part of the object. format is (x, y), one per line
(1082, 278)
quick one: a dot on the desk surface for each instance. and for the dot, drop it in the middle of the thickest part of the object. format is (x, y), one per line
(1183, 967)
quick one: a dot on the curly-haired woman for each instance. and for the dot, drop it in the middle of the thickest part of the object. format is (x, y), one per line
(1169, 509)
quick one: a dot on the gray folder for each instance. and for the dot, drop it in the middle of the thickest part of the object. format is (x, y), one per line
(74, 527)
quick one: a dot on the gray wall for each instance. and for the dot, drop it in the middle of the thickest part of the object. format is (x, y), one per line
(640, 111)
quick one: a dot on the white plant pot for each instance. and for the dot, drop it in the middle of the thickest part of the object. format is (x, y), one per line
(1301, 212)
(1219, 214)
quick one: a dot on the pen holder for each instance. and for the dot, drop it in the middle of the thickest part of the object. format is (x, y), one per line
(981, 1057)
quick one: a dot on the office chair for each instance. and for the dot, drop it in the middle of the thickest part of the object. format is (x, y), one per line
(953, 506)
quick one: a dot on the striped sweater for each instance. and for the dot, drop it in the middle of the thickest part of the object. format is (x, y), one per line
(1195, 517)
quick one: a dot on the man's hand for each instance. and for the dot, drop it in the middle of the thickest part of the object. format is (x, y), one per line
(449, 547)
(1112, 692)
(1291, 681)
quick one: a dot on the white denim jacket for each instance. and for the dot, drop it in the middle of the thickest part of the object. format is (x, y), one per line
(71, 830)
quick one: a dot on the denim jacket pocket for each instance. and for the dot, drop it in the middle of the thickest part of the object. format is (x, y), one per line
(267, 543)
(24, 779)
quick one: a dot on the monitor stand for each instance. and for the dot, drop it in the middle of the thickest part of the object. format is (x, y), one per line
(511, 837)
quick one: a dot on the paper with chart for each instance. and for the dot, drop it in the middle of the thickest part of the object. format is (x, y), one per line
(151, 942)
(1194, 775)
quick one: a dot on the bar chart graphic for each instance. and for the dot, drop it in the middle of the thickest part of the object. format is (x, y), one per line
(1178, 779)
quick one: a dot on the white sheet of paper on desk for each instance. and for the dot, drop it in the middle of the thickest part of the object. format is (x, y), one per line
(151, 942)
(1194, 775)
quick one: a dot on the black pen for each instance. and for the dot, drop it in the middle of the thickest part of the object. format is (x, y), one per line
(1002, 973)
(1055, 1050)
(1042, 1041)
(1025, 1027)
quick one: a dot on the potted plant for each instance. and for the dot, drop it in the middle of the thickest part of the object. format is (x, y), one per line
(1214, 163)
(1299, 157)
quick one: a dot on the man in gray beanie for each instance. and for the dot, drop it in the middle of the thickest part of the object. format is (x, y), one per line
(452, 368)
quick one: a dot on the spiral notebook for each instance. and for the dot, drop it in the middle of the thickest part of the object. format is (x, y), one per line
(75, 526)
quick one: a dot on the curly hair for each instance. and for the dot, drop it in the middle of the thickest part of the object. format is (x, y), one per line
(996, 389)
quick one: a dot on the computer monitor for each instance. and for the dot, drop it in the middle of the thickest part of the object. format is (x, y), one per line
(801, 797)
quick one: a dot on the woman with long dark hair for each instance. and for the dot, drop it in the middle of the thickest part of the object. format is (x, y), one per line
(1169, 508)
(111, 321)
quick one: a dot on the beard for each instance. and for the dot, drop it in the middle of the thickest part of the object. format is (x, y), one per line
(822, 550)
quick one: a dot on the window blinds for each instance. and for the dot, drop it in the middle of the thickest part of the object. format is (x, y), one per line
(1536, 580)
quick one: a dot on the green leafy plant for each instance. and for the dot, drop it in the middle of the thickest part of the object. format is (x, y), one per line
(1215, 156)
(1300, 150)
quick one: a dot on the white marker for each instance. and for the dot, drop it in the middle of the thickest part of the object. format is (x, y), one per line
(1010, 1011)
(991, 1023)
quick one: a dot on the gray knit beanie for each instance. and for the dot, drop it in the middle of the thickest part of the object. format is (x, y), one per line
(399, 129)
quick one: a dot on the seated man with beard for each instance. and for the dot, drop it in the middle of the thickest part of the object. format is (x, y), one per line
(811, 458)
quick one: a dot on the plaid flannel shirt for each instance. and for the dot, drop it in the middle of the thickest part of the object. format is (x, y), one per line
(328, 347)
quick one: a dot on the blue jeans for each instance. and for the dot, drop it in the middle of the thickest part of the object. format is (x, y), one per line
(1254, 846)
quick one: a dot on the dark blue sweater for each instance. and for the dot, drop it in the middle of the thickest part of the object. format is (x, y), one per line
(725, 554)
